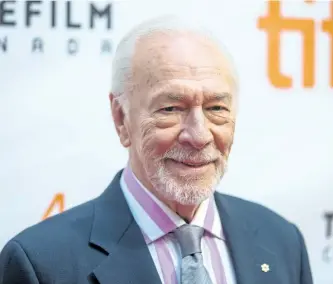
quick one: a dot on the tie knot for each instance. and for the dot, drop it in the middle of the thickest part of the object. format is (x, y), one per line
(189, 238)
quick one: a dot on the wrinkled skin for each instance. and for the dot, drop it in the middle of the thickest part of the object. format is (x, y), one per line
(180, 125)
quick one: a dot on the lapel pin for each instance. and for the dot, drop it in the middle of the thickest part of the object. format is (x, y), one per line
(265, 267)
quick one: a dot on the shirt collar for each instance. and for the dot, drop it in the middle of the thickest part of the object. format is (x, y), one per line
(156, 219)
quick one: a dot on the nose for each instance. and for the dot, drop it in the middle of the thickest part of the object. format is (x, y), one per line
(195, 130)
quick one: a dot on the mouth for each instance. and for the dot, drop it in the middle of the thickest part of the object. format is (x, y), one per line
(193, 164)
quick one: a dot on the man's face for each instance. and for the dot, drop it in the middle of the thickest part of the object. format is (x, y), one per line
(181, 117)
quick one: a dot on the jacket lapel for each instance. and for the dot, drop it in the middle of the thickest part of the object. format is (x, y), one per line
(253, 263)
(117, 234)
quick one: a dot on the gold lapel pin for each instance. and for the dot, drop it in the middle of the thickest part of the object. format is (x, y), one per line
(265, 267)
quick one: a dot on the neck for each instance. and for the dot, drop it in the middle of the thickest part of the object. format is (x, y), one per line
(186, 212)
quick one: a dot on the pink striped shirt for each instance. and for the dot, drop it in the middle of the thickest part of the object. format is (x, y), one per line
(156, 221)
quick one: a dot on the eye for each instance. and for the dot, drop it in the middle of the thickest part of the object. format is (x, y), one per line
(170, 109)
(217, 108)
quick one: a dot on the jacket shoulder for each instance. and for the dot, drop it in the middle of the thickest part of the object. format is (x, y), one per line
(56, 248)
(59, 229)
(259, 216)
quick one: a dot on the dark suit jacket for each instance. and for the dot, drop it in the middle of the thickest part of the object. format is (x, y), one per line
(99, 242)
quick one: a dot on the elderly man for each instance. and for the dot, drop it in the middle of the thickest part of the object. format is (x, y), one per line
(173, 101)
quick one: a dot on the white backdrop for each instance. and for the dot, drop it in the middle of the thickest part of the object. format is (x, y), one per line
(57, 136)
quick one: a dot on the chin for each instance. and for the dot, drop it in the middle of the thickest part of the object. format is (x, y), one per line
(189, 194)
(185, 192)
(184, 188)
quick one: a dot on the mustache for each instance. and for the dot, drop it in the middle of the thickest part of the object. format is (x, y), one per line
(206, 155)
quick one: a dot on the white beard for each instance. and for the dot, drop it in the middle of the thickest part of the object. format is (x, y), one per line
(185, 190)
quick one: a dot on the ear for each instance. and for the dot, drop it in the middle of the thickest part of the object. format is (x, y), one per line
(119, 120)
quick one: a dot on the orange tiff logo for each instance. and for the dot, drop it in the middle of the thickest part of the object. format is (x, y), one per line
(274, 23)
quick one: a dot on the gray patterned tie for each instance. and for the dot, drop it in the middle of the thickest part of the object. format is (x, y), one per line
(192, 268)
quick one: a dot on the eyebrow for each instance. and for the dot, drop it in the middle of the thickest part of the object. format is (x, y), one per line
(220, 96)
(224, 96)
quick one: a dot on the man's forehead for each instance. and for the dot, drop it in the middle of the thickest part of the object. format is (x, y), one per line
(161, 58)
(181, 91)
(167, 72)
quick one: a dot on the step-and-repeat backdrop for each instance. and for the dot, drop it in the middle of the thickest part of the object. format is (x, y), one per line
(58, 144)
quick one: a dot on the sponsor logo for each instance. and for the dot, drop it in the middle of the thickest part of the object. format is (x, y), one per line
(67, 26)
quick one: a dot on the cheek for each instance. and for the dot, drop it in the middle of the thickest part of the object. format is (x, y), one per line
(224, 136)
(158, 141)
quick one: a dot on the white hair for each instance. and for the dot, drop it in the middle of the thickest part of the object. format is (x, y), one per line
(121, 65)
